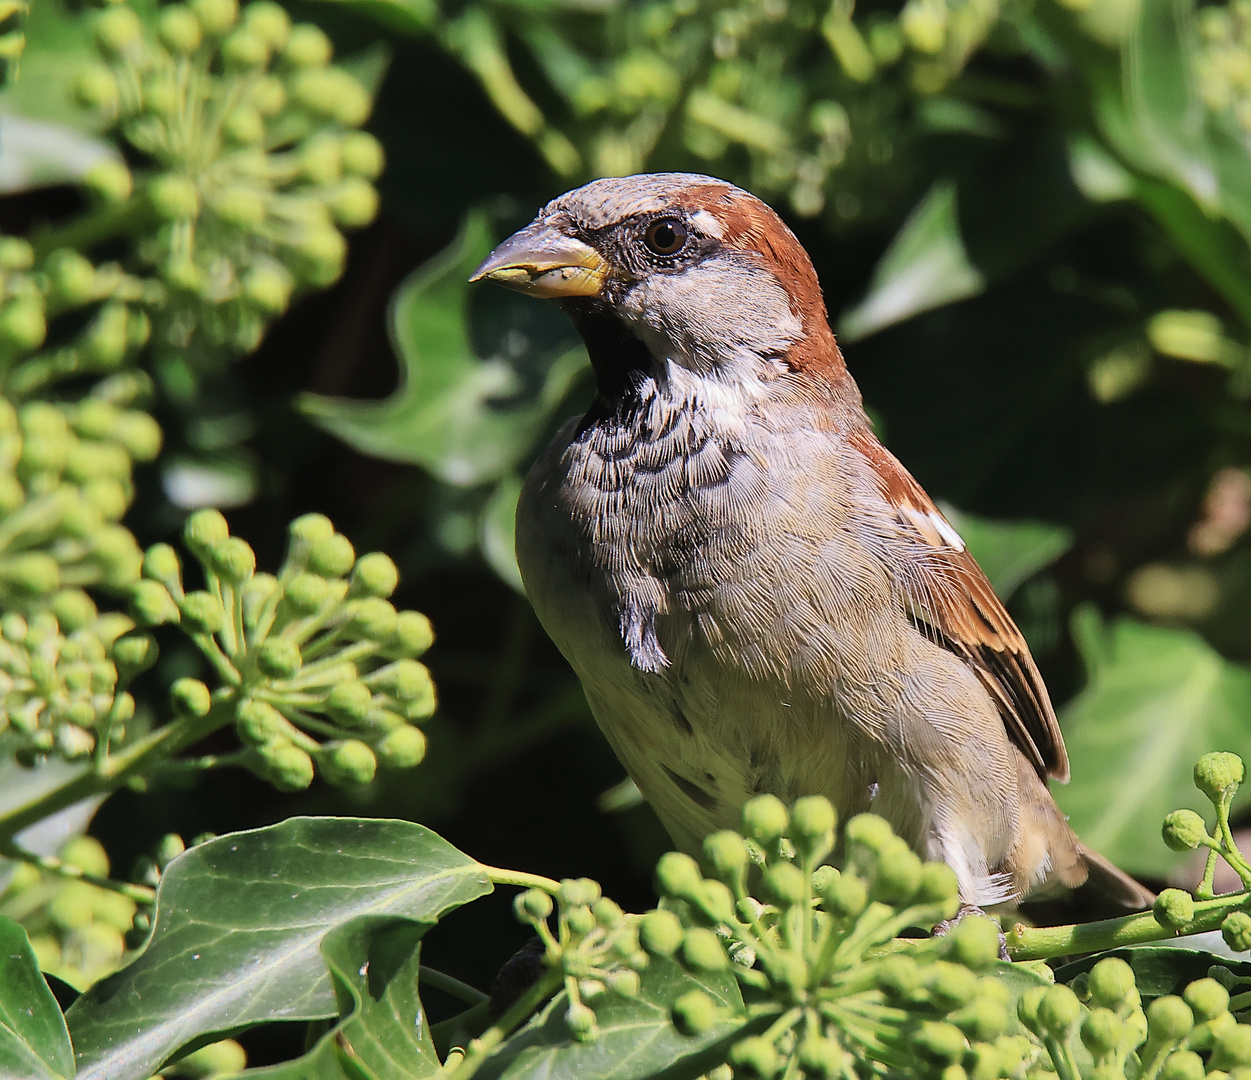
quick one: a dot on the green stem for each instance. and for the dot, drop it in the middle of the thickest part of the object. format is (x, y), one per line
(481, 1047)
(521, 879)
(84, 233)
(441, 981)
(1046, 942)
(140, 894)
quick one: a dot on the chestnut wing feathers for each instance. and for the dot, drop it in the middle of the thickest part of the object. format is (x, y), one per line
(954, 605)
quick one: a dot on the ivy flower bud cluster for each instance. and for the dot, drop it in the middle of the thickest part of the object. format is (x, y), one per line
(815, 950)
(62, 316)
(1223, 63)
(65, 482)
(256, 163)
(63, 673)
(77, 929)
(595, 947)
(1183, 1036)
(318, 669)
(1218, 775)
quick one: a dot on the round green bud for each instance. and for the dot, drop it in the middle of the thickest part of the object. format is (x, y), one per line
(225, 1058)
(151, 604)
(22, 324)
(33, 572)
(413, 634)
(754, 1058)
(898, 873)
(845, 897)
(94, 419)
(279, 658)
(71, 279)
(117, 29)
(201, 613)
(12, 494)
(714, 901)
(349, 762)
(581, 1022)
(1058, 1011)
(174, 197)
(576, 892)
(244, 50)
(16, 253)
(375, 574)
(190, 697)
(677, 875)
(532, 906)
(269, 22)
(324, 251)
(183, 274)
(161, 563)
(96, 88)
(812, 817)
(73, 907)
(1233, 1047)
(898, 976)
(362, 154)
(783, 883)
(694, 1013)
(725, 854)
(1207, 998)
(402, 748)
(1102, 1031)
(268, 95)
(105, 341)
(204, 531)
(354, 202)
(268, 286)
(974, 942)
(951, 986)
(940, 1042)
(765, 818)
(1173, 909)
(241, 206)
(179, 29)
(869, 831)
(579, 920)
(308, 529)
(307, 593)
(702, 951)
(216, 16)
(134, 653)
(168, 848)
(660, 933)
(73, 609)
(88, 854)
(321, 158)
(286, 766)
(331, 556)
(350, 702)
(140, 435)
(982, 1020)
(333, 93)
(1169, 1018)
(822, 1058)
(1182, 1065)
(1217, 774)
(373, 619)
(1111, 983)
(607, 913)
(259, 723)
(233, 560)
(307, 46)
(625, 983)
(119, 557)
(109, 180)
(161, 93)
(1236, 930)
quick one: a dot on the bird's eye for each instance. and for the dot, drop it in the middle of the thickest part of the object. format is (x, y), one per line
(665, 236)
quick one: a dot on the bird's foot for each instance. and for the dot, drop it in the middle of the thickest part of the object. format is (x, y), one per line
(945, 927)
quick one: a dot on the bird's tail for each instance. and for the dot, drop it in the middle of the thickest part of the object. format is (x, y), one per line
(1112, 884)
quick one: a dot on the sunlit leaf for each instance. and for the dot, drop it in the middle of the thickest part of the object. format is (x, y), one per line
(34, 1044)
(1157, 700)
(239, 926)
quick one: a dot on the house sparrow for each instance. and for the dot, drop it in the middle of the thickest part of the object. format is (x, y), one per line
(757, 596)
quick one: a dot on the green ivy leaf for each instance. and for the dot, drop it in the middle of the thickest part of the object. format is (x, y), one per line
(1157, 700)
(34, 1044)
(1157, 970)
(239, 926)
(636, 1037)
(461, 418)
(374, 963)
(1010, 552)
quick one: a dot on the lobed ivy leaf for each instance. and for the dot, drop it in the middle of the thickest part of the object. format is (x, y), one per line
(238, 931)
(1157, 700)
(463, 419)
(34, 1044)
(636, 1037)
(374, 963)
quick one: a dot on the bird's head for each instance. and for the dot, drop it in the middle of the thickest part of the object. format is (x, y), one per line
(676, 269)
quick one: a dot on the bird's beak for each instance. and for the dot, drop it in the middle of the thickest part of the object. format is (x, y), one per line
(543, 261)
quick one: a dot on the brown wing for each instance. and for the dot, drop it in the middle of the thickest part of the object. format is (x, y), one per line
(954, 604)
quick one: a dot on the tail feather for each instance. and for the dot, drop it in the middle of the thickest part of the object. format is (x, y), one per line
(1112, 883)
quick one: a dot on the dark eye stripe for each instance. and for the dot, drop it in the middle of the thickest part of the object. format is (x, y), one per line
(665, 236)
